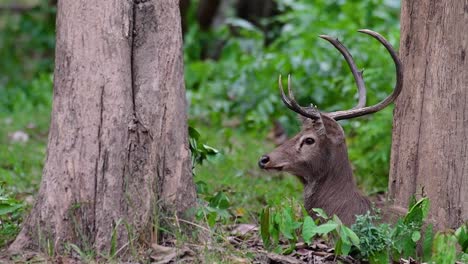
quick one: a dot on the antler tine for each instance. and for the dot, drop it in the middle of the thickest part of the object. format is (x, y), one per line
(291, 103)
(352, 66)
(284, 98)
(339, 115)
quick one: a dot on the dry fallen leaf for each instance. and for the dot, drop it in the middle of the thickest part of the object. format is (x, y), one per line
(243, 229)
(164, 255)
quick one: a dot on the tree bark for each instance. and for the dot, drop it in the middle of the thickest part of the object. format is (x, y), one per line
(118, 143)
(430, 136)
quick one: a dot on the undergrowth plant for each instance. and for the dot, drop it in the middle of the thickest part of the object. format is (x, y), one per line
(213, 207)
(367, 239)
(11, 211)
(283, 223)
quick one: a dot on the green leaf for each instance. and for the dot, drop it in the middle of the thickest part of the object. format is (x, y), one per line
(345, 248)
(287, 224)
(265, 227)
(308, 229)
(210, 150)
(415, 236)
(444, 248)
(427, 243)
(9, 208)
(202, 187)
(220, 200)
(352, 236)
(326, 228)
(339, 247)
(379, 257)
(321, 213)
(462, 237)
(193, 133)
(418, 212)
(211, 218)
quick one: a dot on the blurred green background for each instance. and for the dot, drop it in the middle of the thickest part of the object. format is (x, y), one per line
(231, 71)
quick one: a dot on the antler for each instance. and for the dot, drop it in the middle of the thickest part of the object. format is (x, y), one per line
(352, 66)
(359, 109)
(290, 102)
(346, 114)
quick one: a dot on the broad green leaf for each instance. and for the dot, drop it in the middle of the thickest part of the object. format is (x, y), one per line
(202, 187)
(211, 218)
(320, 212)
(275, 220)
(337, 220)
(287, 224)
(380, 257)
(210, 150)
(308, 229)
(415, 236)
(326, 228)
(9, 208)
(352, 236)
(427, 242)
(193, 133)
(342, 247)
(444, 248)
(462, 236)
(418, 212)
(220, 200)
(345, 249)
(339, 247)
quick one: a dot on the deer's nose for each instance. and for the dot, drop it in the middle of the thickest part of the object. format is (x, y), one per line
(263, 161)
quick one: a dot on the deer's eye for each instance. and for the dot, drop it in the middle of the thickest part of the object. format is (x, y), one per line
(309, 141)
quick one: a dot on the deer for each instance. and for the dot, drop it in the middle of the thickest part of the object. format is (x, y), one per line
(318, 154)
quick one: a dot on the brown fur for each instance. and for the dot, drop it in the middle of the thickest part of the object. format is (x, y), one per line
(323, 168)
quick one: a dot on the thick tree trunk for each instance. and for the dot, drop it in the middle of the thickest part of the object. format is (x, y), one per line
(118, 145)
(430, 137)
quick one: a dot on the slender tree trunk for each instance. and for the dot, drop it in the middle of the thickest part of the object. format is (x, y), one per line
(430, 137)
(118, 146)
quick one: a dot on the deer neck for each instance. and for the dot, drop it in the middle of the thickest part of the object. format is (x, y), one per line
(336, 192)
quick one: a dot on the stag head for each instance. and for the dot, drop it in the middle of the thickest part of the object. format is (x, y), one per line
(318, 154)
(311, 153)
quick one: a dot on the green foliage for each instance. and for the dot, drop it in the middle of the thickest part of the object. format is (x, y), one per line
(366, 239)
(444, 248)
(242, 84)
(374, 240)
(11, 211)
(27, 41)
(280, 223)
(380, 241)
(200, 152)
(462, 237)
(284, 222)
(215, 208)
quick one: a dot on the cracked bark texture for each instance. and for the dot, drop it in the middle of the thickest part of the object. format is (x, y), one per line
(118, 143)
(430, 136)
